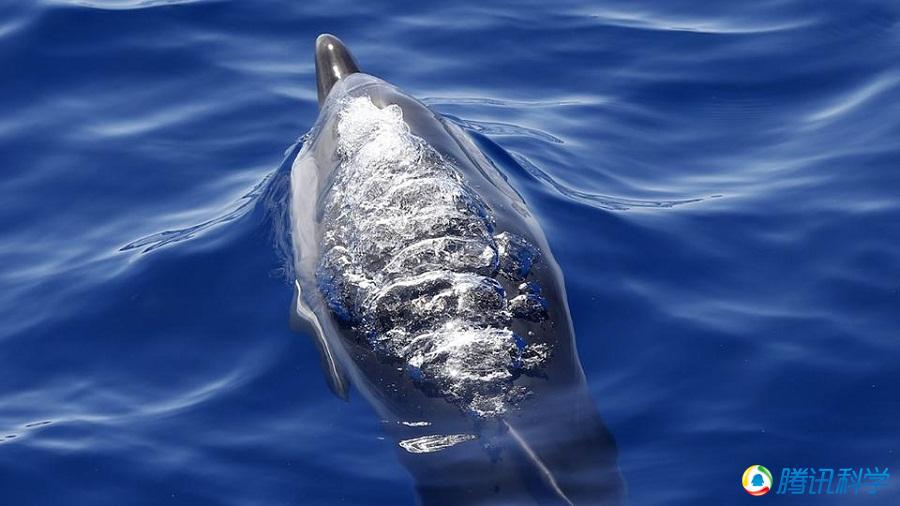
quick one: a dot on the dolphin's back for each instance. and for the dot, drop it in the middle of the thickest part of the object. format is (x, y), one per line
(413, 262)
(432, 285)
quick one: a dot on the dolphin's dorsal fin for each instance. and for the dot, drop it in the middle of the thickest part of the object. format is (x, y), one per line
(333, 63)
(304, 320)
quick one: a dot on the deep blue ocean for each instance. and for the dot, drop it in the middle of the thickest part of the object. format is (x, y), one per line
(720, 183)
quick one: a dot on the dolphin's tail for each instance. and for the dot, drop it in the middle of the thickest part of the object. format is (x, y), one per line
(333, 62)
(558, 453)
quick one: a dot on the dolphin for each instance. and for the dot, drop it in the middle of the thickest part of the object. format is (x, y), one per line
(428, 285)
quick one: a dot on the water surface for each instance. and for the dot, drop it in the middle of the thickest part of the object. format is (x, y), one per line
(718, 182)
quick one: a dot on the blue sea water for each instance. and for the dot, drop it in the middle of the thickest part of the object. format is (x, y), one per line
(719, 181)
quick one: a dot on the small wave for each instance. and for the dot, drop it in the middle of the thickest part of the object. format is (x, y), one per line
(239, 209)
(496, 128)
(855, 99)
(126, 4)
(12, 26)
(158, 120)
(269, 190)
(93, 403)
(511, 104)
(662, 22)
(601, 201)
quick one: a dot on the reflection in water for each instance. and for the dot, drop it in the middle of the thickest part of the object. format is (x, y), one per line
(435, 442)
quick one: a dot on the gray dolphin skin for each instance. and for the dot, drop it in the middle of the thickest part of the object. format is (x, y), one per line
(430, 288)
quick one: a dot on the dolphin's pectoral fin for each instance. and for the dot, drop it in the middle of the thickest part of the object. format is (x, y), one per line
(304, 320)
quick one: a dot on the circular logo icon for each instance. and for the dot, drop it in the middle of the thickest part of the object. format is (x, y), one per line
(757, 480)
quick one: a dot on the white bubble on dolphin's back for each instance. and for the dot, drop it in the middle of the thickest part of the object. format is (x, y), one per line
(411, 260)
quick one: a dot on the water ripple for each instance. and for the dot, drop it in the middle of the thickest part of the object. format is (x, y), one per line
(173, 376)
(126, 4)
(497, 128)
(659, 21)
(236, 210)
(596, 200)
(505, 103)
(856, 98)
